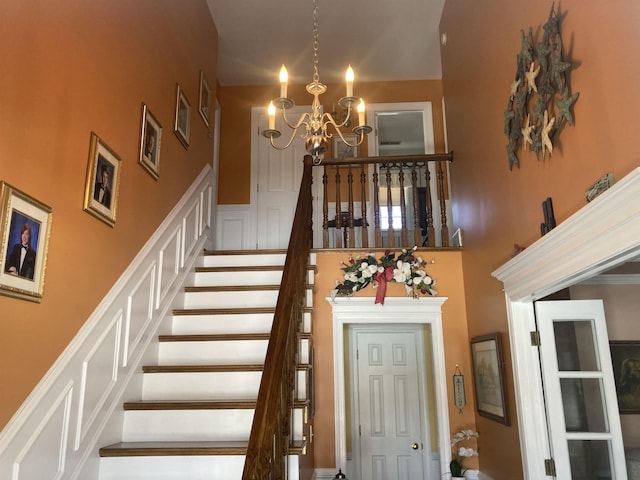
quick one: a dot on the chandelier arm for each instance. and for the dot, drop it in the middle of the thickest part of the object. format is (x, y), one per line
(301, 121)
(358, 130)
(284, 147)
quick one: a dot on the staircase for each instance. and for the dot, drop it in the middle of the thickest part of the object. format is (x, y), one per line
(194, 417)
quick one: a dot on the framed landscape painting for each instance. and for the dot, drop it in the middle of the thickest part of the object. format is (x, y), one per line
(489, 378)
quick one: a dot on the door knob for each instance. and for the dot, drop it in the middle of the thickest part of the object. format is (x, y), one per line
(415, 446)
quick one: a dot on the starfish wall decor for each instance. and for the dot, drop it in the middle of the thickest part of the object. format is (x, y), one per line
(540, 101)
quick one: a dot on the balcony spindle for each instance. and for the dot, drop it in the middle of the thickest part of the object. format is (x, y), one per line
(444, 230)
(376, 208)
(404, 236)
(390, 231)
(431, 233)
(363, 207)
(417, 230)
(352, 234)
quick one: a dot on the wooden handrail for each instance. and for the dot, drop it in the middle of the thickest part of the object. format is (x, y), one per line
(269, 441)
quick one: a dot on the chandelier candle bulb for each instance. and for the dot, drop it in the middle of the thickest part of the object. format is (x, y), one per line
(361, 121)
(349, 76)
(284, 78)
(271, 111)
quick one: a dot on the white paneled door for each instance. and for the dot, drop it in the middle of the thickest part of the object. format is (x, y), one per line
(389, 424)
(582, 408)
(278, 176)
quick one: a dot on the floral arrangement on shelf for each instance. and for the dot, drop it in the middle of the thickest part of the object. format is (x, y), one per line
(460, 452)
(406, 268)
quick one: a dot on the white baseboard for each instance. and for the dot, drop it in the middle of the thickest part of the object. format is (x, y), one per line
(58, 427)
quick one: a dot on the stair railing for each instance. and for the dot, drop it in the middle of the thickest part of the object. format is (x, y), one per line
(270, 433)
(398, 221)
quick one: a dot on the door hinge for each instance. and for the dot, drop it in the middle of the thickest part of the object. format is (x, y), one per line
(357, 354)
(535, 338)
(360, 430)
(550, 467)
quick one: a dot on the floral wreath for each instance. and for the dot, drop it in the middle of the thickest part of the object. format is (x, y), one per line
(406, 268)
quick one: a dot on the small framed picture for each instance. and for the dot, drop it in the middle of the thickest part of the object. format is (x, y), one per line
(489, 378)
(150, 140)
(343, 151)
(625, 356)
(103, 178)
(25, 225)
(182, 124)
(205, 98)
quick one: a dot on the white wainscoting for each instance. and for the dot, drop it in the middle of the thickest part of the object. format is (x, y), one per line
(76, 407)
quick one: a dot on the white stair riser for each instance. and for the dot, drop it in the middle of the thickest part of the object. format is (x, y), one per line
(187, 425)
(229, 323)
(201, 386)
(181, 468)
(212, 353)
(196, 425)
(258, 298)
(221, 352)
(244, 260)
(211, 279)
(210, 386)
(224, 323)
(172, 468)
(249, 299)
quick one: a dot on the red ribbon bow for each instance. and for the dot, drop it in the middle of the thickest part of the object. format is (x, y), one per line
(382, 278)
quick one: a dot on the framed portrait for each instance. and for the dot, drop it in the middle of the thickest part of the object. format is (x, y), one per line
(489, 378)
(103, 178)
(205, 99)
(625, 356)
(182, 124)
(150, 142)
(342, 151)
(25, 226)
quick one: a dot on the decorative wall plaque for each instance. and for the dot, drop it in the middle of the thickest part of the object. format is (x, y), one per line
(540, 100)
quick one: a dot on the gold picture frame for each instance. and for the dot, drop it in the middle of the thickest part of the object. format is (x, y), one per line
(204, 104)
(150, 143)
(23, 221)
(182, 123)
(103, 178)
(489, 377)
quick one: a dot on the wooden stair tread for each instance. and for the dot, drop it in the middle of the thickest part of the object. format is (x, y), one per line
(229, 311)
(153, 449)
(250, 367)
(244, 252)
(215, 337)
(246, 268)
(199, 405)
(236, 288)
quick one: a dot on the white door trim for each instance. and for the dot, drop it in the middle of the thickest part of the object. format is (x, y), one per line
(362, 310)
(602, 234)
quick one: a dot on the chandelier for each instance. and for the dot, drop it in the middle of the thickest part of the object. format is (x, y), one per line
(316, 124)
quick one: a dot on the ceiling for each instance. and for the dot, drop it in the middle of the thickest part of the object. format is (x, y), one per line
(382, 40)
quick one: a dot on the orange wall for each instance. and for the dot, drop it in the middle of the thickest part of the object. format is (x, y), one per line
(70, 68)
(447, 272)
(235, 121)
(496, 207)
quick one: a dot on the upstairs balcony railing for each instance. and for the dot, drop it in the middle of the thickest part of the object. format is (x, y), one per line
(397, 201)
(390, 180)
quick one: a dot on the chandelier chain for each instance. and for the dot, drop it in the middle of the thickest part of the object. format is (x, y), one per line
(316, 75)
